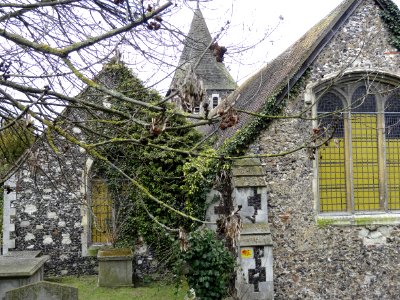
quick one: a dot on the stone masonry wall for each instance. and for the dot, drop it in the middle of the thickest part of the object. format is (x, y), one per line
(328, 262)
(48, 214)
(48, 208)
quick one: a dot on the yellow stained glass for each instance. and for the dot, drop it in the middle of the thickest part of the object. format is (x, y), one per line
(372, 155)
(332, 176)
(365, 167)
(101, 211)
(393, 173)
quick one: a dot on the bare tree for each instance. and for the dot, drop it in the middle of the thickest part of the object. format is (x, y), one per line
(50, 50)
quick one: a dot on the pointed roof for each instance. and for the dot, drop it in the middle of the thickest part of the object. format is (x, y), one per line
(196, 52)
(281, 74)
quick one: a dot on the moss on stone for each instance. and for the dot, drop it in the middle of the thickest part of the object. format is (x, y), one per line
(115, 252)
(375, 220)
(325, 222)
(391, 17)
(356, 220)
(94, 249)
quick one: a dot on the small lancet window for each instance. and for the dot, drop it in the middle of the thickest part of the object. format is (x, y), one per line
(392, 117)
(330, 114)
(362, 101)
(215, 100)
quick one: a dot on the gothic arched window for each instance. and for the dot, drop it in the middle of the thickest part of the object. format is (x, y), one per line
(331, 167)
(392, 147)
(359, 167)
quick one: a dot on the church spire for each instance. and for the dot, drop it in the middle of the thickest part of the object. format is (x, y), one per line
(196, 53)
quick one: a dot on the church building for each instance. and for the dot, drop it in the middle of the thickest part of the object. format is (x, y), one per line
(319, 187)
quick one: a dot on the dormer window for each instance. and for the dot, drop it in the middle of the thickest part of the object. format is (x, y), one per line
(215, 100)
(196, 110)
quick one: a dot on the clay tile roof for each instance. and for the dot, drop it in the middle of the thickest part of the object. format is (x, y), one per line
(214, 74)
(286, 68)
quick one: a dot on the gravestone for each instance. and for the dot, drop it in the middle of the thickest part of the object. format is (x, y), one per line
(24, 254)
(43, 291)
(115, 267)
(19, 268)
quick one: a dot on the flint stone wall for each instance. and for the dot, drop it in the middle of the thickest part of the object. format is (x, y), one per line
(47, 207)
(46, 210)
(331, 262)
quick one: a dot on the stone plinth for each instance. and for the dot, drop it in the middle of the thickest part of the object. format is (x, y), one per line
(115, 267)
(16, 271)
(255, 275)
(24, 253)
(250, 191)
(43, 290)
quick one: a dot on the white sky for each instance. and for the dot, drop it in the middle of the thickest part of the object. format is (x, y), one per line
(250, 19)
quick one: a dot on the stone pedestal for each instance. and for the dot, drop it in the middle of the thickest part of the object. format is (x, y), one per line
(20, 268)
(115, 267)
(255, 275)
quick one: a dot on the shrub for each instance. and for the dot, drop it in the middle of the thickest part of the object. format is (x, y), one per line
(210, 265)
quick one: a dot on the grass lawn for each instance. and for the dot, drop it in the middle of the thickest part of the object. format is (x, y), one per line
(88, 289)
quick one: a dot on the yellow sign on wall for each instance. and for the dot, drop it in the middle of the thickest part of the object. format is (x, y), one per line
(247, 253)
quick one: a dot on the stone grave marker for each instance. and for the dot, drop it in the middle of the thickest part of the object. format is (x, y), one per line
(43, 290)
(20, 268)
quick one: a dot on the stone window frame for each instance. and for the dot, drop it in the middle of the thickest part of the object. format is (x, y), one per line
(113, 216)
(101, 212)
(88, 248)
(312, 92)
(215, 100)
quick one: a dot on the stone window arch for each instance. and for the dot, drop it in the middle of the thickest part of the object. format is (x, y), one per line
(358, 170)
(96, 211)
(392, 146)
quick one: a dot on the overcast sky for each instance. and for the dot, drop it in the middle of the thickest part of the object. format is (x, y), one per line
(284, 20)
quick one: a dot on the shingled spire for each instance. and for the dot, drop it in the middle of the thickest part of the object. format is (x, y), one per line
(196, 55)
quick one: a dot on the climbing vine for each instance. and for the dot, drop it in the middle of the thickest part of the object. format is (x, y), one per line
(391, 17)
(176, 178)
(201, 171)
(242, 139)
(162, 172)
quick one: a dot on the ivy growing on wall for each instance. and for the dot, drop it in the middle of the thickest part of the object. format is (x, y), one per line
(177, 179)
(391, 17)
(242, 139)
(162, 172)
(239, 143)
(202, 171)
